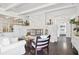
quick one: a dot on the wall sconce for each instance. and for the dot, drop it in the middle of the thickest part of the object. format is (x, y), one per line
(50, 22)
(27, 21)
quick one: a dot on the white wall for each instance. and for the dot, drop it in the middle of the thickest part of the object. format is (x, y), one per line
(37, 20)
(58, 16)
(63, 16)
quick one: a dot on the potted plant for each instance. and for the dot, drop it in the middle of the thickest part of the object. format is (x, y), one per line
(72, 21)
(76, 29)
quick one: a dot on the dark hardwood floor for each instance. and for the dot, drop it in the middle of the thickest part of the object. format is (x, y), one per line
(62, 47)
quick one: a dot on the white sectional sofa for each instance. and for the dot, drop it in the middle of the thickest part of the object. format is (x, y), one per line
(13, 49)
(75, 42)
(9, 44)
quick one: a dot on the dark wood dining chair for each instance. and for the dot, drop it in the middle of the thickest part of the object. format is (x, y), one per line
(41, 43)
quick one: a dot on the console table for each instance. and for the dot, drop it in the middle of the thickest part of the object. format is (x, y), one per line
(35, 32)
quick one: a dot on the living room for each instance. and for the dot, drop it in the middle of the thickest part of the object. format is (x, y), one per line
(17, 19)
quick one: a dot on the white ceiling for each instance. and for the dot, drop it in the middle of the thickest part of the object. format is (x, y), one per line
(24, 8)
(19, 7)
(4, 5)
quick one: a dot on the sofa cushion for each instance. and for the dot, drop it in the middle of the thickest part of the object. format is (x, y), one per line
(13, 39)
(1, 39)
(5, 41)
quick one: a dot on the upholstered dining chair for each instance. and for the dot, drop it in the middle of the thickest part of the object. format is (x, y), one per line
(41, 43)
